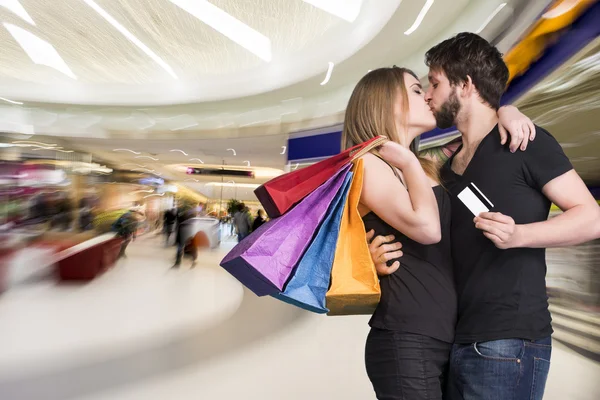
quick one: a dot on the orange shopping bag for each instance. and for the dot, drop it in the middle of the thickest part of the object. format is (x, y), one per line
(354, 282)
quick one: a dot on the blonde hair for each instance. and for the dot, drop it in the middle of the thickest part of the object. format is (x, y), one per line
(370, 112)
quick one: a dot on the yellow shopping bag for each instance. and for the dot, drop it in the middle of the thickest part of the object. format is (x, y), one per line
(354, 282)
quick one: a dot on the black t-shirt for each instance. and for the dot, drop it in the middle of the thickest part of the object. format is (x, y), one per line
(419, 297)
(502, 293)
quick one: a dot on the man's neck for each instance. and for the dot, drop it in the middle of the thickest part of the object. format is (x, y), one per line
(475, 126)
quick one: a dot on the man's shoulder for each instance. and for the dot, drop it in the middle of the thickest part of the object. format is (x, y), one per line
(543, 142)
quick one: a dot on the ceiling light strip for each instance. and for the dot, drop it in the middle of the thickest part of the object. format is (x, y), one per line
(17, 9)
(229, 26)
(130, 37)
(420, 17)
(38, 50)
(490, 18)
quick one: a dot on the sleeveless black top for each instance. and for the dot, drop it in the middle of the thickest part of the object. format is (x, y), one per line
(420, 297)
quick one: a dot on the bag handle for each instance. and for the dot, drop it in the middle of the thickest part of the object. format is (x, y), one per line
(363, 148)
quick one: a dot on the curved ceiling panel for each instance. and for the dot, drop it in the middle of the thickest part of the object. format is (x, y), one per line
(149, 52)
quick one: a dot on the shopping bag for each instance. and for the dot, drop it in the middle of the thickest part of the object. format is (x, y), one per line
(354, 281)
(307, 287)
(264, 261)
(280, 194)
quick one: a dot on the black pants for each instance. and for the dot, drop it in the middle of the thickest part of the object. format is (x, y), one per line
(404, 366)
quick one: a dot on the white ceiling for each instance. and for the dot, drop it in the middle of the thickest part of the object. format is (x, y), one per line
(185, 60)
(222, 89)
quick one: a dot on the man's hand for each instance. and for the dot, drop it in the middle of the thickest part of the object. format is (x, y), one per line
(500, 229)
(516, 124)
(382, 252)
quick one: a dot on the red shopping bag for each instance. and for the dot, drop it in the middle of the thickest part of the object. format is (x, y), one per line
(280, 194)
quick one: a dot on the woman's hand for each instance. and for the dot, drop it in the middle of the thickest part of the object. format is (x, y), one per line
(397, 155)
(516, 124)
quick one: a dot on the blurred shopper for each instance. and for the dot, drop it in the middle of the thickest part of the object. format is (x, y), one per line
(260, 219)
(86, 214)
(241, 222)
(125, 227)
(502, 341)
(169, 220)
(186, 230)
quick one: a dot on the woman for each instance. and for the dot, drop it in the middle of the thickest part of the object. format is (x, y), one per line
(412, 329)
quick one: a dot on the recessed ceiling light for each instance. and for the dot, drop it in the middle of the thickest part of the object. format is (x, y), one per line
(283, 150)
(328, 74)
(180, 151)
(247, 162)
(197, 159)
(10, 101)
(233, 150)
(229, 26)
(38, 50)
(130, 37)
(129, 150)
(420, 17)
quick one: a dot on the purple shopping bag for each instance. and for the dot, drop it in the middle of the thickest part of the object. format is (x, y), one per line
(265, 260)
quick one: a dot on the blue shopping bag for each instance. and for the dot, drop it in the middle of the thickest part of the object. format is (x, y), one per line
(310, 282)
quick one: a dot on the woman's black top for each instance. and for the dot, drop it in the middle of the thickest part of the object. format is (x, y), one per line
(420, 297)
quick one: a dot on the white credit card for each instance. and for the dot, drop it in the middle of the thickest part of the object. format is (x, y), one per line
(472, 202)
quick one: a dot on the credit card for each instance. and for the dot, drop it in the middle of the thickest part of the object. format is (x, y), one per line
(475, 204)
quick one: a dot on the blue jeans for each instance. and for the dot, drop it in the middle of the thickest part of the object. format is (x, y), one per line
(508, 369)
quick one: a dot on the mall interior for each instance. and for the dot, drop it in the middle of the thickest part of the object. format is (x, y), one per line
(116, 115)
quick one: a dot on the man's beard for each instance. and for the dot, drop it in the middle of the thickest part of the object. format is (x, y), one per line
(446, 117)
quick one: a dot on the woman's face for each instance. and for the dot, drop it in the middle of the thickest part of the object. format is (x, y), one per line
(419, 117)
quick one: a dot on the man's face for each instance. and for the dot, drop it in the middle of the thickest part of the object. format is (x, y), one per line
(443, 100)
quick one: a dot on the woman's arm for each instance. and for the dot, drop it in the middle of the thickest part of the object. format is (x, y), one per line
(512, 123)
(415, 215)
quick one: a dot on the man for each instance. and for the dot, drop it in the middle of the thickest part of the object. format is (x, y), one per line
(260, 219)
(502, 346)
(169, 220)
(125, 227)
(186, 229)
(241, 221)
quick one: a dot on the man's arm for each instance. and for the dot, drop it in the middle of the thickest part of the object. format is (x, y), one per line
(579, 222)
(548, 169)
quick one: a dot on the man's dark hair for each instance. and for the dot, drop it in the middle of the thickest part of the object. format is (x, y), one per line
(468, 54)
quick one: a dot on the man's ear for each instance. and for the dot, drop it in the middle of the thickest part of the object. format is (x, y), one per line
(469, 88)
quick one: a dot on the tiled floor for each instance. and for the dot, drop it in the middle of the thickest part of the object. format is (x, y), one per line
(145, 332)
